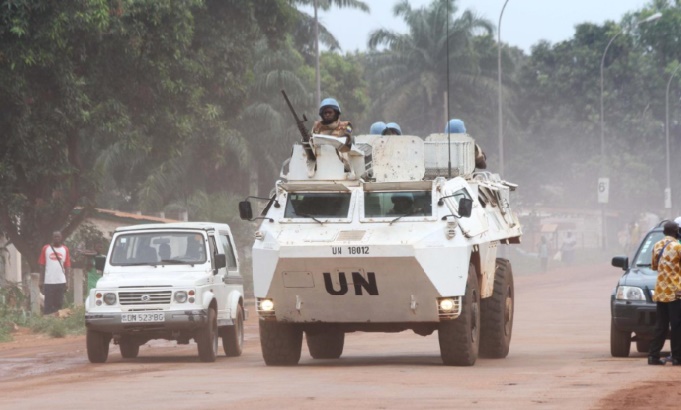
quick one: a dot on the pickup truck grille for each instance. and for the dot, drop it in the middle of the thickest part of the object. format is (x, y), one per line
(145, 298)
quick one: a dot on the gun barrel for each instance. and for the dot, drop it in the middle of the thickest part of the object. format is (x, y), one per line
(301, 127)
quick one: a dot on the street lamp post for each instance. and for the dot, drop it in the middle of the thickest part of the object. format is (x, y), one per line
(501, 118)
(317, 76)
(654, 17)
(668, 189)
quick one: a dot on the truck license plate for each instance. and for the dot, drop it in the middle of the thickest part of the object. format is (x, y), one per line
(142, 317)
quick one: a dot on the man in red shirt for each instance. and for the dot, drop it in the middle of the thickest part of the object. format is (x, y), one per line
(55, 261)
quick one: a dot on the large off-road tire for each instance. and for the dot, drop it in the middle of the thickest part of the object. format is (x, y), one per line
(281, 343)
(129, 348)
(97, 346)
(620, 342)
(207, 338)
(325, 343)
(496, 314)
(233, 337)
(460, 338)
(643, 346)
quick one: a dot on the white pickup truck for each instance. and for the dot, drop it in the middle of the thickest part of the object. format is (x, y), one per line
(176, 281)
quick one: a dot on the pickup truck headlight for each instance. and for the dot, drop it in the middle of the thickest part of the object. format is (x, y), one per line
(110, 298)
(630, 293)
(181, 296)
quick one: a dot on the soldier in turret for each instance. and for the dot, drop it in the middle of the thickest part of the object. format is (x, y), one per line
(330, 123)
(392, 128)
(456, 126)
(377, 128)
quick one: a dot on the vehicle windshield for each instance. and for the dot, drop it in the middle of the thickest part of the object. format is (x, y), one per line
(317, 205)
(644, 254)
(159, 248)
(403, 203)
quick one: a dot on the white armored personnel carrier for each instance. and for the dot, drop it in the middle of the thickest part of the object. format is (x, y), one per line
(399, 233)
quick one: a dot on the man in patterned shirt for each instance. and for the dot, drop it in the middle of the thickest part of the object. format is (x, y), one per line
(666, 260)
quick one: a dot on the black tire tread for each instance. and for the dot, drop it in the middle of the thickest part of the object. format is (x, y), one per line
(620, 342)
(281, 343)
(205, 338)
(97, 344)
(456, 345)
(233, 338)
(494, 343)
(129, 348)
(325, 344)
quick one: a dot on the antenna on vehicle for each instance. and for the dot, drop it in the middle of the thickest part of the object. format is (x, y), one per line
(449, 142)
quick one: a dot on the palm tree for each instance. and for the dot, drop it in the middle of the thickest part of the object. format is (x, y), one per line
(412, 69)
(326, 5)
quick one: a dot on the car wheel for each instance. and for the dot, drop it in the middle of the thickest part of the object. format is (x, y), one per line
(97, 346)
(233, 338)
(620, 342)
(207, 338)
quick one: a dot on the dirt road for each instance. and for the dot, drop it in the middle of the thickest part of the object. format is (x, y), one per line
(559, 359)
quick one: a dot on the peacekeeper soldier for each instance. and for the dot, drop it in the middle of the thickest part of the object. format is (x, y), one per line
(457, 126)
(392, 128)
(330, 123)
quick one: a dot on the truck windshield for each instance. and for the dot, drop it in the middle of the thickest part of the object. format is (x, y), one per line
(403, 203)
(318, 205)
(159, 248)
(644, 255)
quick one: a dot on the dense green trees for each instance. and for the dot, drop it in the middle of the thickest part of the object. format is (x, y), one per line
(136, 97)
(412, 69)
(160, 104)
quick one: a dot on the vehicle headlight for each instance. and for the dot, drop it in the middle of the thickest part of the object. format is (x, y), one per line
(630, 293)
(181, 296)
(266, 305)
(109, 298)
(447, 304)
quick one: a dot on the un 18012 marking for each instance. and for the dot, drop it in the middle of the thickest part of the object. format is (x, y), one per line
(350, 250)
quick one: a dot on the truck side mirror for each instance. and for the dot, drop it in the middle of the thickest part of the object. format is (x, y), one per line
(620, 262)
(245, 210)
(220, 261)
(100, 261)
(465, 207)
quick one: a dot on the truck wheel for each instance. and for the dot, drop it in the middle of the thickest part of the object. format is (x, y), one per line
(129, 348)
(325, 344)
(97, 346)
(233, 338)
(496, 314)
(620, 342)
(460, 338)
(643, 346)
(207, 338)
(281, 343)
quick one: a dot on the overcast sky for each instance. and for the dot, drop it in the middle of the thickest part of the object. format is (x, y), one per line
(524, 22)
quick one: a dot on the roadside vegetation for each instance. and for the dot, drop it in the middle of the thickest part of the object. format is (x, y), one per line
(14, 316)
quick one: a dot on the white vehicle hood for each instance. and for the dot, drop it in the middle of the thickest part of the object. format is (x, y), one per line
(150, 277)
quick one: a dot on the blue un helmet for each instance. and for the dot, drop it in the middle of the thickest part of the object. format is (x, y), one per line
(392, 128)
(455, 126)
(329, 102)
(377, 128)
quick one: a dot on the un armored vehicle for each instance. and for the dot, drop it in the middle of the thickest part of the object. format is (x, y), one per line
(398, 233)
(176, 281)
(632, 309)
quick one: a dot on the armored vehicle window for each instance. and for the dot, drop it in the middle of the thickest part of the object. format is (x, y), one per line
(324, 205)
(158, 247)
(387, 204)
(644, 255)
